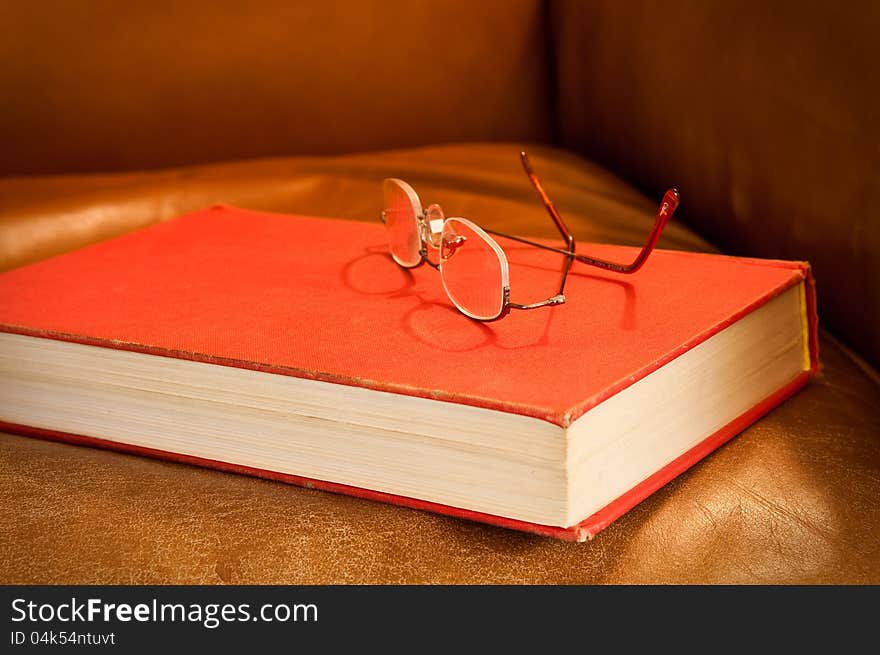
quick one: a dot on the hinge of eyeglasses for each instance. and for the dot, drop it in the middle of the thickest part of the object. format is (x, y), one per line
(558, 299)
(382, 216)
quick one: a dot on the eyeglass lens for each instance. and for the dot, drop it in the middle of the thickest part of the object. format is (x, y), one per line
(401, 223)
(472, 270)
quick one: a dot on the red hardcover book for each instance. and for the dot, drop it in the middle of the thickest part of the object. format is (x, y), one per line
(295, 349)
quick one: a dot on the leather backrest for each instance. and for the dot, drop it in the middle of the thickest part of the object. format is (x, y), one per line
(767, 116)
(95, 85)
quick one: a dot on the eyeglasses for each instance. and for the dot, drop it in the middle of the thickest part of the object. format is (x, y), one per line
(473, 267)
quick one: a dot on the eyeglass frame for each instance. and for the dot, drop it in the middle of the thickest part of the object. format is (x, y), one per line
(426, 232)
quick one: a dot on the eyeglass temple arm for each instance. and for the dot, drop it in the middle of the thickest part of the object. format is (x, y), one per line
(666, 210)
(548, 204)
(566, 234)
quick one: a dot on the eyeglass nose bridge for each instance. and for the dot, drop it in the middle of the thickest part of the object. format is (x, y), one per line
(432, 225)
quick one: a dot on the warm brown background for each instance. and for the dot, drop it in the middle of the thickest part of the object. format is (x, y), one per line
(765, 116)
(101, 86)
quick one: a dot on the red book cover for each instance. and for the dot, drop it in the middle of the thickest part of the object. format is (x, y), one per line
(321, 299)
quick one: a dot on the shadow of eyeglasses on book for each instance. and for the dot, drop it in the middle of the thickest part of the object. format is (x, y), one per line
(522, 258)
(375, 277)
(434, 320)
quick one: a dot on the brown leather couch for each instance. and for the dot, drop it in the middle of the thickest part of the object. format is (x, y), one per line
(117, 115)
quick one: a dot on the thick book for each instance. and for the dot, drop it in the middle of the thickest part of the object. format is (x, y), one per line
(294, 348)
